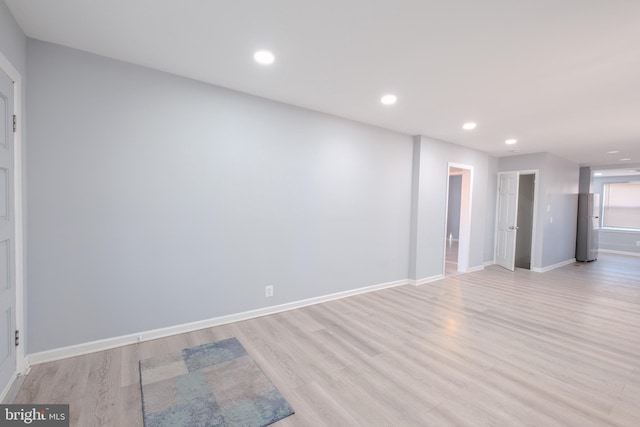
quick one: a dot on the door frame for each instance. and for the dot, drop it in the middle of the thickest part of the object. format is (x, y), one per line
(466, 197)
(7, 67)
(535, 260)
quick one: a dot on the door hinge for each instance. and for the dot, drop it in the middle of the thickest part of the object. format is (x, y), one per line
(17, 337)
(15, 123)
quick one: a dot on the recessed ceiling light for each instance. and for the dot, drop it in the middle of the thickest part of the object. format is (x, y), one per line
(597, 174)
(264, 57)
(469, 126)
(613, 152)
(626, 159)
(389, 99)
(511, 141)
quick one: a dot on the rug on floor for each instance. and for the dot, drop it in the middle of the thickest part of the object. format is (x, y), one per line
(215, 384)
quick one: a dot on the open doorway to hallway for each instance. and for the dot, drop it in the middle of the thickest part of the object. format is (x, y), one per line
(453, 222)
(524, 235)
(457, 237)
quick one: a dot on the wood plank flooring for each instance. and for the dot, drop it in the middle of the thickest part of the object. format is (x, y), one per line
(490, 348)
(451, 258)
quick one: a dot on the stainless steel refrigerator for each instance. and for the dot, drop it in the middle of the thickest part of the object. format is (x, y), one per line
(588, 225)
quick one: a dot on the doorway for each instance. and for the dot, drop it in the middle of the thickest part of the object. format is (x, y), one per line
(458, 219)
(515, 219)
(524, 236)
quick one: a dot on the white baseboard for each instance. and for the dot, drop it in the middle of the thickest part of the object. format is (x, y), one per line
(106, 344)
(554, 266)
(426, 280)
(488, 263)
(476, 268)
(612, 251)
(437, 277)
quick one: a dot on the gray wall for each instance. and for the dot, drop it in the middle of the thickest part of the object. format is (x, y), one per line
(616, 240)
(430, 192)
(453, 210)
(13, 42)
(585, 180)
(156, 200)
(561, 192)
(557, 205)
(491, 202)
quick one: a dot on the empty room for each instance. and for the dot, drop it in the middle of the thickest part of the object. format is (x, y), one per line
(355, 213)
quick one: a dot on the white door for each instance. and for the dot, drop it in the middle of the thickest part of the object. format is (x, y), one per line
(7, 244)
(507, 216)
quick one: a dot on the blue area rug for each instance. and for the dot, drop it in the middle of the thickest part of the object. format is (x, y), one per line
(216, 384)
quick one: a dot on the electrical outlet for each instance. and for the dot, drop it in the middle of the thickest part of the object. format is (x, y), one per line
(638, 243)
(268, 291)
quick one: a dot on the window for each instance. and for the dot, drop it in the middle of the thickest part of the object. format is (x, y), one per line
(621, 205)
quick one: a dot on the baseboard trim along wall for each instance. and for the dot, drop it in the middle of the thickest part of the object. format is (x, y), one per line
(106, 344)
(437, 277)
(612, 251)
(425, 280)
(553, 266)
(109, 343)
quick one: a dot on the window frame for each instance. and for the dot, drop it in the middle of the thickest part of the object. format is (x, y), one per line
(604, 205)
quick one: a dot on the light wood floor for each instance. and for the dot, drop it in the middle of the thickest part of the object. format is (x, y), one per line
(487, 348)
(451, 258)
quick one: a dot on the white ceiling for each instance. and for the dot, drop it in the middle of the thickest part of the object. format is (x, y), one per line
(561, 76)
